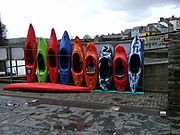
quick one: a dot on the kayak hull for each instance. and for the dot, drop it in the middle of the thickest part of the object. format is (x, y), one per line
(135, 64)
(91, 66)
(77, 62)
(52, 57)
(30, 54)
(65, 58)
(45, 87)
(42, 71)
(105, 67)
(120, 68)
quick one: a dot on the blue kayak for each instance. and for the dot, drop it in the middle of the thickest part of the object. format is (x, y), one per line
(65, 58)
(135, 64)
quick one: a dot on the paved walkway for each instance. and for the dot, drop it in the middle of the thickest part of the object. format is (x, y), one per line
(30, 116)
(86, 113)
(147, 100)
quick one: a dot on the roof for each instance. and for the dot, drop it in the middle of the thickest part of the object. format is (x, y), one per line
(166, 22)
(138, 27)
(149, 28)
(162, 26)
(112, 36)
(143, 29)
(127, 31)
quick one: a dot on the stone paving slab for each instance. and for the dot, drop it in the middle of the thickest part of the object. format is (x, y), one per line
(147, 100)
(43, 116)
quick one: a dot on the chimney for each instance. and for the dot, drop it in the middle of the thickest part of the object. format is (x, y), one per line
(161, 19)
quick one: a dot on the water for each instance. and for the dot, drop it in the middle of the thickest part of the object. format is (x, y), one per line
(21, 67)
(21, 63)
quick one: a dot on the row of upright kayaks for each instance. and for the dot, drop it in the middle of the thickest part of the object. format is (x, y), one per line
(62, 60)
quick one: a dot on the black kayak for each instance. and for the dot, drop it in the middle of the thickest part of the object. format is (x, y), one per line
(105, 67)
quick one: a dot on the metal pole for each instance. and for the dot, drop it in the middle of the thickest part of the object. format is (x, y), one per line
(10, 55)
(16, 68)
(5, 69)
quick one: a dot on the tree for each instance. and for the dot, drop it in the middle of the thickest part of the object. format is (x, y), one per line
(87, 38)
(3, 34)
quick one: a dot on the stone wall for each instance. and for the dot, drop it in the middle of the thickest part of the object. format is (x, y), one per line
(174, 72)
(156, 77)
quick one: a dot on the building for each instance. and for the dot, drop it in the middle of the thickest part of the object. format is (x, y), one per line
(148, 30)
(166, 24)
(175, 21)
(112, 37)
(136, 31)
(160, 27)
(126, 34)
(149, 36)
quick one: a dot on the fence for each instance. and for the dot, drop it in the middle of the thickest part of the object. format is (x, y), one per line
(8, 54)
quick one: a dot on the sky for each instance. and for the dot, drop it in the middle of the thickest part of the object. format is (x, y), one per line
(81, 17)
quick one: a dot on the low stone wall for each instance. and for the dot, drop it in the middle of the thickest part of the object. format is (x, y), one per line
(174, 72)
(156, 77)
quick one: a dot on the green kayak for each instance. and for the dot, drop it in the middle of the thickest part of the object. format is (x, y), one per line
(42, 71)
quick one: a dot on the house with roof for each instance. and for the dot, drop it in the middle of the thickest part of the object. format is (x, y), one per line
(126, 34)
(160, 27)
(149, 36)
(173, 23)
(166, 24)
(150, 29)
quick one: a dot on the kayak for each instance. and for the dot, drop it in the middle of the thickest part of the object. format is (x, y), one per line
(105, 67)
(77, 62)
(91, 65)
(45, 87)
(120, 68)
(42, 71)
(30, 54)
(135, 64)
(65, 58)
(52, 57)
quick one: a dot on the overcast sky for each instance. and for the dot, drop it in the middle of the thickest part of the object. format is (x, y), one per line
(80, 17)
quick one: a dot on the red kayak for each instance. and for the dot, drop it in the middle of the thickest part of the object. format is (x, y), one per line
(120, 68)
(52, 57)
(45, 87)
(77, 62)
(91, 65)
(30, 54)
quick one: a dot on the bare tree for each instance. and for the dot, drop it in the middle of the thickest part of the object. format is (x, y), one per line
(3, 34)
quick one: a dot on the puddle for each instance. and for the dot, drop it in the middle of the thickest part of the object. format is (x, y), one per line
(76, 126)
(116, 99)
(58, 126)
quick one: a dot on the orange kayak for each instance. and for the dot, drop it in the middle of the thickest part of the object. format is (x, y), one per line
(91, 65)
(52, 57)
(77, 62)
(30, 54)
(120, 68)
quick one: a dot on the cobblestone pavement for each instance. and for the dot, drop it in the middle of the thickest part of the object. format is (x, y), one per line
(147, 100)
(31, 116)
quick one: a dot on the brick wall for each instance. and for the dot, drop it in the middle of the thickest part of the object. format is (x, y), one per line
(174, 72)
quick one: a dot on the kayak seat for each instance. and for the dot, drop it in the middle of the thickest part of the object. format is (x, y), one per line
(90, 66)
(41, 64)
(52, 58)
(119, 68)
(29, 55)
(134, 63)
(77, 64)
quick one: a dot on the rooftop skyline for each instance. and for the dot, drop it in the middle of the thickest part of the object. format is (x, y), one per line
(82, 17)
